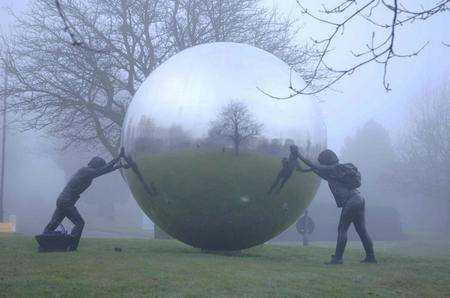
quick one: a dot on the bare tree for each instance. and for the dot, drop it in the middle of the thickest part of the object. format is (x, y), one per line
(425, 154)
(74, 66)
(382, 46)
(372, 151)
(236, 123)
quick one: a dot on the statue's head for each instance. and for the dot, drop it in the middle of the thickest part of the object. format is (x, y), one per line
(328, 157)
(294, 149)
(97, 162)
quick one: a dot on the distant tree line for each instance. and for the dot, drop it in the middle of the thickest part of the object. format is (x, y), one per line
(413, 171)
(234, 129)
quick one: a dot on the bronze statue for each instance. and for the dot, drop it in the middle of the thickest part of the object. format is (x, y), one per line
(344, 181)
(288, 166)
(65, 204)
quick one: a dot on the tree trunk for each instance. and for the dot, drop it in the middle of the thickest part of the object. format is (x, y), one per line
(236, 148)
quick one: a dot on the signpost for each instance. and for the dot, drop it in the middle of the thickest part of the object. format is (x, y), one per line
(2, 169)
(305, 227)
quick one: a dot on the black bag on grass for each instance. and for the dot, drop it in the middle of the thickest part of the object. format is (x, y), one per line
(54, 241)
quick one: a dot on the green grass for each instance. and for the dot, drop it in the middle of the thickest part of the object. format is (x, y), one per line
(171, 269)
(217, 200)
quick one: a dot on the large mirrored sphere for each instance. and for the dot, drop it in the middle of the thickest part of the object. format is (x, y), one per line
(208, 145)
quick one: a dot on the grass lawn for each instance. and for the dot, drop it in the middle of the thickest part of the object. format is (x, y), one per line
(171, 269)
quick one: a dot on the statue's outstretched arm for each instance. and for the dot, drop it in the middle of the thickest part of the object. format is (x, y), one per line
(302, 170)
(321, 170)
(108, 168)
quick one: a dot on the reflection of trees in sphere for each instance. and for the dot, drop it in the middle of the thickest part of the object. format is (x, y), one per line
(211, 143)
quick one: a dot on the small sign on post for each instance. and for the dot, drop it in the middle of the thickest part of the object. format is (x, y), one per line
(305, 226)
(7, 227)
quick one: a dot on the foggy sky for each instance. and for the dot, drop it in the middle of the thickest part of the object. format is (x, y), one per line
(361, 96)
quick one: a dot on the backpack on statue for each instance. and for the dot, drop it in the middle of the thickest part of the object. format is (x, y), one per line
(349, 175)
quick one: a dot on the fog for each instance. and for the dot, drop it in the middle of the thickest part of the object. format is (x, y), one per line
(32, 181)
(36, 172)
(366, 126)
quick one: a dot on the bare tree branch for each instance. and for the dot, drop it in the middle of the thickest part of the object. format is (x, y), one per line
(79, 89)
(380, 51)
(339, 8)
(72, 31)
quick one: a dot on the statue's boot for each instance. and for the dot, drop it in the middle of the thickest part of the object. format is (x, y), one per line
(369, 259)
(334, 261)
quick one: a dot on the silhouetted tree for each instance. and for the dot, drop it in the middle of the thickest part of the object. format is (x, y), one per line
(425, 149)
(236, 123)
(149, 138)
(372, 151)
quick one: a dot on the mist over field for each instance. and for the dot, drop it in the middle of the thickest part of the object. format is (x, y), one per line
(398, 140)
(36, 173)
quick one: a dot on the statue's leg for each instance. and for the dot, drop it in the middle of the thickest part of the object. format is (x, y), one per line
(346, 219)
(275, 183)
(283, 181)
(360, 227)
(55, 221)
(77, 220)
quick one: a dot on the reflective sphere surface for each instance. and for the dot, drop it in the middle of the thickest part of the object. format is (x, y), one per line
(208, 145)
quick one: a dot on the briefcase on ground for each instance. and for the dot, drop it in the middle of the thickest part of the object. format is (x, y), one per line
(54, 241)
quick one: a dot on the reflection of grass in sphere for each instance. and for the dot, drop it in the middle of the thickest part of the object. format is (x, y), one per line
(219, 201)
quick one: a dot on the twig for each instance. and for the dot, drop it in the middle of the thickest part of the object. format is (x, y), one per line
(340, 8)
(381, 52)
(72, 32)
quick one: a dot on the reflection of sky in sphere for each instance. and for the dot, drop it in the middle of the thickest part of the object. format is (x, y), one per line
(191, 88)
